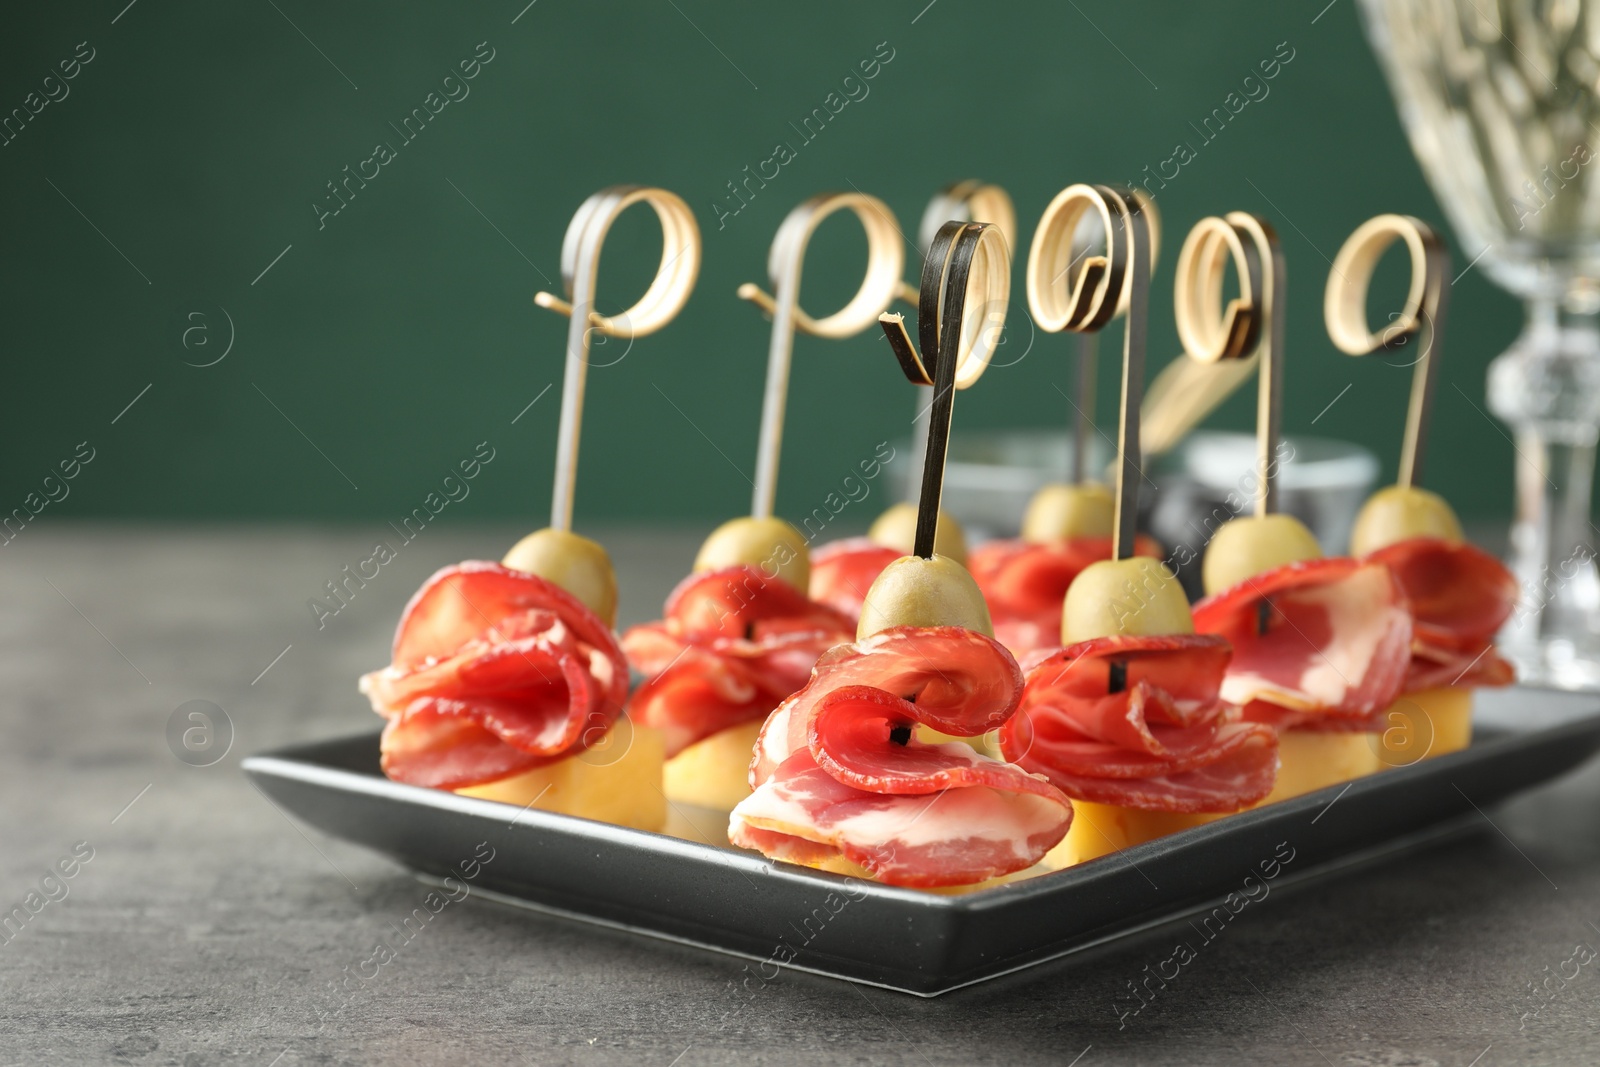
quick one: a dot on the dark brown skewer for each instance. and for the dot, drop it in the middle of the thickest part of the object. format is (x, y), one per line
(959, 254)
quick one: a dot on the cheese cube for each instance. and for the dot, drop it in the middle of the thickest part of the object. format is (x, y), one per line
(616, 781)
(715, 772)
(1309, 760)
(1425, 724)
(1099, 829)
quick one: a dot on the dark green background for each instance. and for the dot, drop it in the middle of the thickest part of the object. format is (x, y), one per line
(404, 333)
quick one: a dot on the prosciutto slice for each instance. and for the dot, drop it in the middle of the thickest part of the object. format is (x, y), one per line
(1336, 642)
(732, 645)
(843, 571)
(1139, 722)
(1025, 584)
(1459, 597)
(494, 672)
(839, 773)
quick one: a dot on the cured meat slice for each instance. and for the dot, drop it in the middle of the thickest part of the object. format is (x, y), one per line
(1139, 722)
(951, 837)
(1459, 597)
(494, 672)
(732, 645)
(840, 774)
(843, 571)
(1336, 640)
(961, 682)
(1025, 584)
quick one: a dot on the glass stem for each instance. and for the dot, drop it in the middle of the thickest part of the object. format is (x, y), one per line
(1557, 623)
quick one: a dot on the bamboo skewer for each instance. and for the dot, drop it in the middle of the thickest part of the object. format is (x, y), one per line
(1419, 325)
(885, 263)
(1105, 284)
(660, 304)
(961, 311)
(1248, 328)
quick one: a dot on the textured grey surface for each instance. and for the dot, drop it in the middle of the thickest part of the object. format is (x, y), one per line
(207, 929)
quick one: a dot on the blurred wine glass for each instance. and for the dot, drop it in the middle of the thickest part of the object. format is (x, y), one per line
(1500, 102)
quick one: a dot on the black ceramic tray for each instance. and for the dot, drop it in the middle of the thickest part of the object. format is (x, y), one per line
(717, 897)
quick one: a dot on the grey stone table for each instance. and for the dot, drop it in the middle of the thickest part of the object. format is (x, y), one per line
(205, 928)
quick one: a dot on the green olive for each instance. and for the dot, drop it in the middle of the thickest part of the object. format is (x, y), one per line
(897, 528)
(1059, 512)
(1245, 547)
(576, 564)
(913, 591)
(1136, 597)
(1396, 513)
(770, 544)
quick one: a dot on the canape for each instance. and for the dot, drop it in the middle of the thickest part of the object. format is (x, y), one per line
(1320, 646)
(506, 681)
(505, 686)
(1459, 596)
(1128, 719)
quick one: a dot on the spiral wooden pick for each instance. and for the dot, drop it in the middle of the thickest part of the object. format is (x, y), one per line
(660, 304)
(1083, 239)
(885, 261)
(1420, 323)
(1248, 326)
(1105, 284)
(968, 271)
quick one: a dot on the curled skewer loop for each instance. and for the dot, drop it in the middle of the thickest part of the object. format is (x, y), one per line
(1250, 326)
(961, 313)
(1105, 283)
(1085, 240)
(1090, 299)
(1419, 324)
(675, 277)
(885, 262)
(661, 302)
(1209, 330)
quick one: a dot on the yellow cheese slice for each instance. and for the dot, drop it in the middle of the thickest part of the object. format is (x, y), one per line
(617, 781)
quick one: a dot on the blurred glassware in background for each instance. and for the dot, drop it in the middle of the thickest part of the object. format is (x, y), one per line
(989, 479)
(1499, 98)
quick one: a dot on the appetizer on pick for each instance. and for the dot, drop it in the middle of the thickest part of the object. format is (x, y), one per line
(506, 680)
(841, 779)
(1319, 645)
(739, 634)
(1458, 595)
(504, 685)
(1128, 719)
(842, 782)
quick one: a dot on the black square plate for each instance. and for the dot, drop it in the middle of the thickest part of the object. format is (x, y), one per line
(706, 893)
